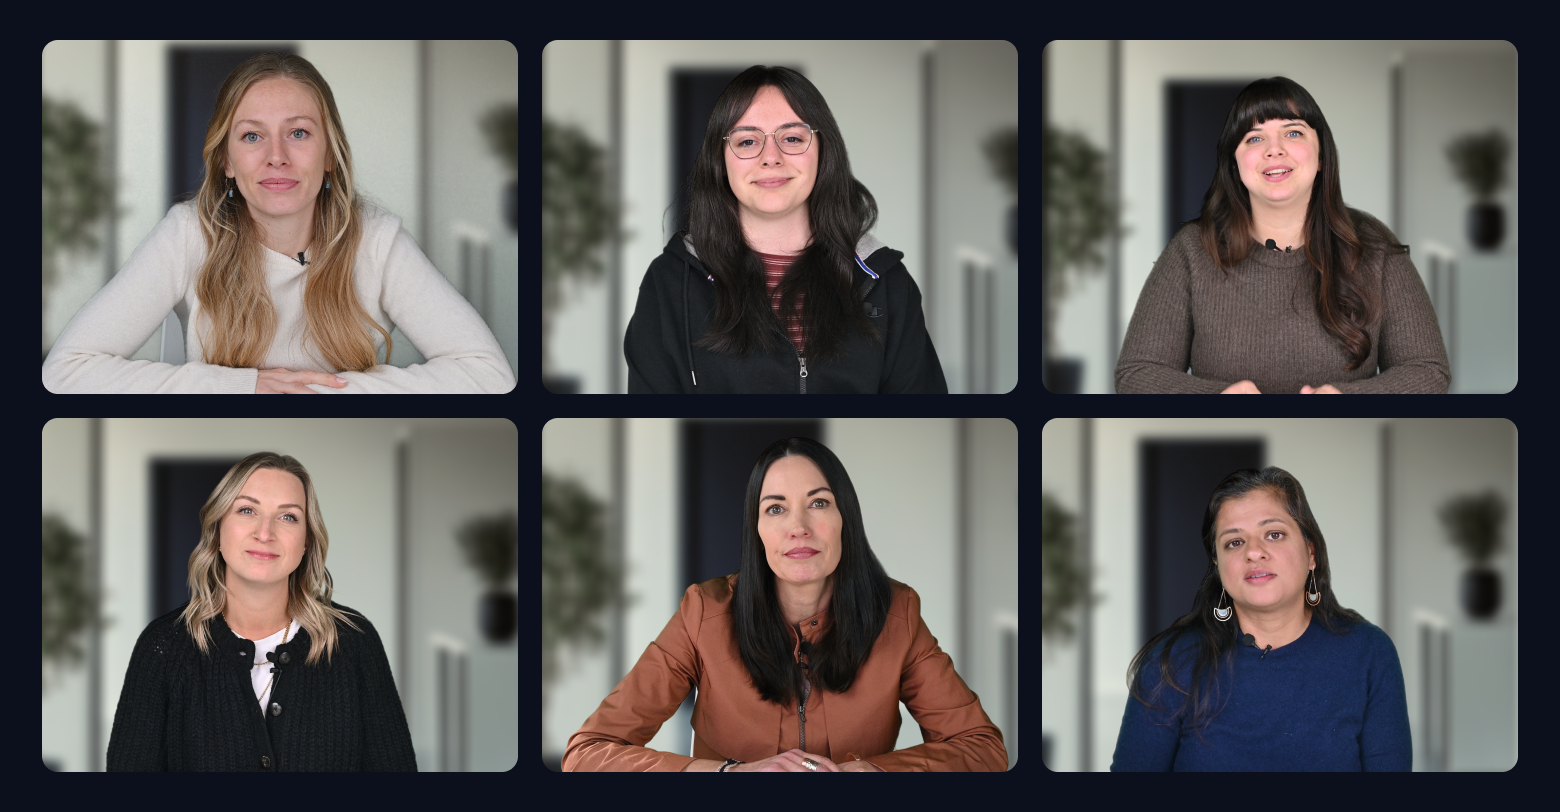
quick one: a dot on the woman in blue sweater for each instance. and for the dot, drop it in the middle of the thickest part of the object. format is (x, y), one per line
(1272, 674)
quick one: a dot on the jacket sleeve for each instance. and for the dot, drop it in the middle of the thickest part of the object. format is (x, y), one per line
(1411, 356)
(613, 738)
(958, 735)
(911, 365)
(462, 355)
(387, 741)
(138, 740)
(1156, 352)
(92, 354)
(653, 330)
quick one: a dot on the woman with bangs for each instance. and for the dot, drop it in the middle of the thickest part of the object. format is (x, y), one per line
(1278, 287)
(260, 671)
(285, 279)
(777, 284)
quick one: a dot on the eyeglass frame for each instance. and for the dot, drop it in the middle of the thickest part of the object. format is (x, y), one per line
(727, 139)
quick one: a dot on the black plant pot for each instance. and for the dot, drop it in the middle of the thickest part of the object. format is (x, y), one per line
(512, 204)
(1063, 376)
(1486, 225)
(1012, 228)
(500, 616)
(1481, 593)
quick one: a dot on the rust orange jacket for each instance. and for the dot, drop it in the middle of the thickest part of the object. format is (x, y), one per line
(697, 649)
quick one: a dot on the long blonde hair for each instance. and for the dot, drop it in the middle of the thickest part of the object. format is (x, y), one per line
(240, 319)
(309, 587)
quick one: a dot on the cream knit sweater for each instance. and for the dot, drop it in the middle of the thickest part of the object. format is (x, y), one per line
(1195, 331)
(395, 282)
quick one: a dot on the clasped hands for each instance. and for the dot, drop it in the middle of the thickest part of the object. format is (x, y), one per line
(1249, 388)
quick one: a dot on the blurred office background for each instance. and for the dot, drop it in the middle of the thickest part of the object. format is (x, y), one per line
(121, 501)
(656, 506)
(931, 127)
(434, 129)
(1122, 544)
(1132, 127)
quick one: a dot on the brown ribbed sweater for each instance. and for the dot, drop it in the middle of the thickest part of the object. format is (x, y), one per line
(1195, 331)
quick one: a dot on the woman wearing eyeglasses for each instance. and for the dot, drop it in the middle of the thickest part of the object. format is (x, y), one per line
(776, 285)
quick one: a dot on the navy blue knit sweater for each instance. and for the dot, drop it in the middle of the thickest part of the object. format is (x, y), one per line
(1324, 702)
(183, 710)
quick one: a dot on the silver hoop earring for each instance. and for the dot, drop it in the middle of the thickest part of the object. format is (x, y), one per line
(1313, 596)
(1225, 614)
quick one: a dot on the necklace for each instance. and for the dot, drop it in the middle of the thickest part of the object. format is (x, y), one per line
(285, 631)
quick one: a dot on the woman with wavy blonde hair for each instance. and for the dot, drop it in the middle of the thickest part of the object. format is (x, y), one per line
(286, 279)
(260, 627)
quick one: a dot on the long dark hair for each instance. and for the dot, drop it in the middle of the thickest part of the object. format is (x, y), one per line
(1213, 642)
(1340, 242)
(839, 209)
(859, 606)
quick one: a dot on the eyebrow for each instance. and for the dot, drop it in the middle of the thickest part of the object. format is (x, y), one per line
(1259, 524)
(257, 501)
(1285, 127)
(258, 124)
(781, 127)
(809, 493)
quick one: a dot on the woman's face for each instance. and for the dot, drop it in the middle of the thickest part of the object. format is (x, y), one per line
(1256, 533)
(267, 517)
(796, 510)
(276, 134)
(769, 112)
(1278, 143)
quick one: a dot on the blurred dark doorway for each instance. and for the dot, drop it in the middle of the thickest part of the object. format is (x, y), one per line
(1195, 113)
(179, 489)
(1178, 476)
(718, 457)
(195, 76)
(694, 92)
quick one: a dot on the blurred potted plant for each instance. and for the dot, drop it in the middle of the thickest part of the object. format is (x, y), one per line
(577, 219)
(1480, 163)
(501, 125)
(1002, 151)
(579, 579)
(76, 194)
(1079, 215)
(1064, 577)
(1473, 522)
(70, 603)
(492, 545)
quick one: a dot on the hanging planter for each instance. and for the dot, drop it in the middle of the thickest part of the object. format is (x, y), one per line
(1480, 163)
(492, 546)
(1473, 522)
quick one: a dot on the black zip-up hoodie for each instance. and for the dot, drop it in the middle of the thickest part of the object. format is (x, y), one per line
(677, 298)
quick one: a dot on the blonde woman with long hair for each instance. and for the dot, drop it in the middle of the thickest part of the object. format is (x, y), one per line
(260, 670)
(286, 280)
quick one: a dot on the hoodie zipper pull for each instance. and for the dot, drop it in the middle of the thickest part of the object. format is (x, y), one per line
(804, 365)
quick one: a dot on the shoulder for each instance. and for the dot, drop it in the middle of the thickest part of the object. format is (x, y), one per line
(1376, 240)
(710, 598)
(377, 219)
(906, 603)
(365, 631)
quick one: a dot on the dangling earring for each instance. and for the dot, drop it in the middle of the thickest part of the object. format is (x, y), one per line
(327, 183)
(230, 193)
(1313, 596)
(1225, 614)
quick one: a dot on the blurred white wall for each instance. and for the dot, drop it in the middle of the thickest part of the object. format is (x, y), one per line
(456, 473)
(66, 483)
(904, 472)
(1451, 90)
(1433, 461)
(1061, 472)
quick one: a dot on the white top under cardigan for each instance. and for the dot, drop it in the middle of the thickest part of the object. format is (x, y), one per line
(260, 675)
(395, 283)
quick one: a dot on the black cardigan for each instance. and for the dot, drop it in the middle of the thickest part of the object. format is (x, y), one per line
(181, 710)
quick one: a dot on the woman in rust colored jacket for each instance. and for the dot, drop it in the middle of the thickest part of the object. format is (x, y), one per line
(801, 658)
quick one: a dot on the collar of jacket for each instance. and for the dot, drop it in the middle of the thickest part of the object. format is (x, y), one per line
(240, 652)
(865, 248)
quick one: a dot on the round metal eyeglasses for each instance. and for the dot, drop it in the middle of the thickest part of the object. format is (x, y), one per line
(792, 140)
